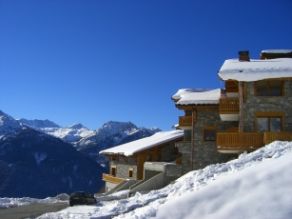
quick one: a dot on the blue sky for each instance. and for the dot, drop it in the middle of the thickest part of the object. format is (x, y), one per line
(92, 61)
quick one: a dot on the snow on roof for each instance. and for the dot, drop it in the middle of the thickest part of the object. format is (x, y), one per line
(133, 147)
(197, 96)
(184, 91)
(255, 69)
(283, 51)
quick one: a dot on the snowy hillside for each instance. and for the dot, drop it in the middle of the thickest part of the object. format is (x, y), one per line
(256, 185)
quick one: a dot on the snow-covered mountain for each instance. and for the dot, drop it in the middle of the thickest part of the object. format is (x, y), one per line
(8, 125)
(35, 164)
(39, 124)
(89, 141)
(71, 134)
(256, 185)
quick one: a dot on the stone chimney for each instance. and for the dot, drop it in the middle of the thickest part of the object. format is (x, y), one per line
(243, 56)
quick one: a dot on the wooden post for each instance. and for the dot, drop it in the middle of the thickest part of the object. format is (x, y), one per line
(240, 93)
(194, 114)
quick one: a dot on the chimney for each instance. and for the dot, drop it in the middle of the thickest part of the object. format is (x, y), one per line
(243, 56)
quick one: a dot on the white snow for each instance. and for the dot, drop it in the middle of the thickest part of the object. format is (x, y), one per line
(15, 202)
(197, 96)
(283, 51)
(255, 69)
(158, 138)
(68, 133)
(256, 185)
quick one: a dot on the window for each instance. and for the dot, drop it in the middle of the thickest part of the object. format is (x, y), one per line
(113, 171)
(269, 124)
(209, 134)
(269, 88)
(131, 172)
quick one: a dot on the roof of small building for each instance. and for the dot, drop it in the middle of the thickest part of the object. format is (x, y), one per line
(256, 69)
(283, 51)
(197, 96)
(142, 144)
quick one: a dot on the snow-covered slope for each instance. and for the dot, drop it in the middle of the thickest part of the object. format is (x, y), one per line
(8, 125)
(256, 185)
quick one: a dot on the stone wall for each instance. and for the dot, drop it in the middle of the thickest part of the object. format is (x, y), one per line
(205, 152)
(123, 165)
(253, 104)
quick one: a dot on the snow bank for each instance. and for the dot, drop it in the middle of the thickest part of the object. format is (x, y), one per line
(255, 69)
(15, 202)
(261, 191)
(256, 185)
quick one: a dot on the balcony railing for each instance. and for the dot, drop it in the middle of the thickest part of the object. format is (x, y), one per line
(239, 141)
(273, 136)
(229, 105)
(185, 121)
(112, 179)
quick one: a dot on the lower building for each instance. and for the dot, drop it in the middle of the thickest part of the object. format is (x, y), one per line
(127, 160)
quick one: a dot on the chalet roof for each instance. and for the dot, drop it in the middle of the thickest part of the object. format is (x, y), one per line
(256, 69)
(142, 144)
(197, 96)
(283, 51)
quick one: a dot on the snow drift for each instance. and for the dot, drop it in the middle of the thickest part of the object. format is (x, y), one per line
(256, 185)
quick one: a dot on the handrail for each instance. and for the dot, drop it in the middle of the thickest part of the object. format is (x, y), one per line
(239, 141)
(112, 179)
(228, 105)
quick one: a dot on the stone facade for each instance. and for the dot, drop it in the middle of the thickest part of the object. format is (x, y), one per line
(254, 104)
(205, 152)
(123, 165)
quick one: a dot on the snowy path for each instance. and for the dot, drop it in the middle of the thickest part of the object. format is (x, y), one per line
(195, 182)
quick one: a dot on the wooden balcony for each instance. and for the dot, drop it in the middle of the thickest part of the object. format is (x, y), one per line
(229, 106)
(237, 142)
(185, 121)
(229, 109)
(280, 136)
(112, 179)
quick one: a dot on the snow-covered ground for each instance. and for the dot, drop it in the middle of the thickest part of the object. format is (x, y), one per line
(15, 202)
(256, 185)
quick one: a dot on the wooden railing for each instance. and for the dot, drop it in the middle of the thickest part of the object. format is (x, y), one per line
(239, 141)
(228, 105)
(185, 121)
(273, 136)
(112, 179)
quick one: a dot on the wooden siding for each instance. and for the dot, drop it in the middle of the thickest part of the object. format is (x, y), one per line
(185, 121)
(239, 141)
(231, 86)
(229, 105)
(273, 136)
(112, 179)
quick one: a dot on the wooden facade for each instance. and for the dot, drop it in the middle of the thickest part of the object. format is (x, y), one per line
(132, 167)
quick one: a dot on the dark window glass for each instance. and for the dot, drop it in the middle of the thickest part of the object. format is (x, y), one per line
(263, 124)
(209, 135)
(114, 171)
(131, 172)
(270, 124)
(275, 124)
(269, 88)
